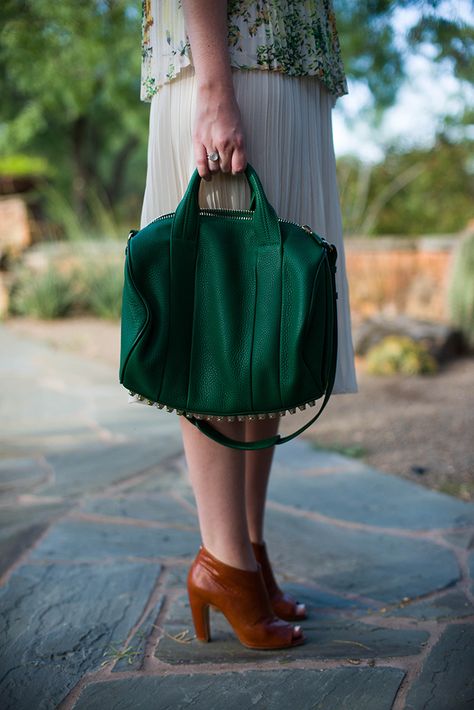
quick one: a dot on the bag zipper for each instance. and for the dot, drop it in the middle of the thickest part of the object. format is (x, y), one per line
(219, 212)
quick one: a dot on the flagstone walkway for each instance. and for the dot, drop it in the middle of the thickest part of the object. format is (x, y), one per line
(99, 527)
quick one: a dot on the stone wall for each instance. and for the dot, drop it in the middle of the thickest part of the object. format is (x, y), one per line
(399, 275)
(390, 274)
(15, 231)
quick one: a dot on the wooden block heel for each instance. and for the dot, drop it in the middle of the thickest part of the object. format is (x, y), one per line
(200, 614)
(242, 597)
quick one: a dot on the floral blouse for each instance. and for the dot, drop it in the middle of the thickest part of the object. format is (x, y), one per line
(296, 37)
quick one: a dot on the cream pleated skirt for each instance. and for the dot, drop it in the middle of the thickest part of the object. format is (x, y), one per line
(287, 124)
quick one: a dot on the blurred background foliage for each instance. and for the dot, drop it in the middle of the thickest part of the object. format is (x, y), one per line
(72, 123)
(373, 54)
(70, 97)
(420, 191)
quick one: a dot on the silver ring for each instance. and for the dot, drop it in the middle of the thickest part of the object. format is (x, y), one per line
(213, 156)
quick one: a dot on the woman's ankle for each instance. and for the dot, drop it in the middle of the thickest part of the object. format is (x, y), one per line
(238, 556)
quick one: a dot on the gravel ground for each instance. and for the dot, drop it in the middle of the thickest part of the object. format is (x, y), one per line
(420, 428)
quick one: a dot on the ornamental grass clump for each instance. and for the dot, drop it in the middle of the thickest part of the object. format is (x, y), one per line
(101, 289)
(86, 289)
(460, 292)
(50, 294)
(400, 354)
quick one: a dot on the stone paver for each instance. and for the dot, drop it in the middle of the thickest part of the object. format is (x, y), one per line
(160, 508)
(18, 534)
(76, 540)
(387, 502)
(451, 605)
(368, 563)
(98, 528)
(368, 688)
(57, 620)
(328, 638)
(447, 679)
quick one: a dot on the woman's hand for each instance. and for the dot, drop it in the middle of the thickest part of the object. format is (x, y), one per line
(218, 127)
(217, 121)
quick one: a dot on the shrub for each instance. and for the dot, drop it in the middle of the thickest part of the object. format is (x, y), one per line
(100, 289)
(22, 165)
(70, 284)
(46, 295)
(400, 354)
(460, 292)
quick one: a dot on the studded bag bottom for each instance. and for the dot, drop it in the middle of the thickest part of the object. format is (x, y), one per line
(222, 417)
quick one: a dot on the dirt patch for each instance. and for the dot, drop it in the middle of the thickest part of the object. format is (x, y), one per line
(92, 337)
(420, 428)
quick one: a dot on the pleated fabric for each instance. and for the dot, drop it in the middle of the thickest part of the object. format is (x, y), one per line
(287, 124)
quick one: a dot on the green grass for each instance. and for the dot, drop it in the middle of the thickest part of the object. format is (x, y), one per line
(355, 451)
(462, 490)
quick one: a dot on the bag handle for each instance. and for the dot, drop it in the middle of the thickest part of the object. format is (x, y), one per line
(265, 220)
(207, 429)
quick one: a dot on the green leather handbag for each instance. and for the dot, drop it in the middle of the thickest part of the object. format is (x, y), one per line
(229, 315)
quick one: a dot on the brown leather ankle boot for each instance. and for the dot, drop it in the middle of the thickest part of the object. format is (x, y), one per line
(242, 597)
(283, 605)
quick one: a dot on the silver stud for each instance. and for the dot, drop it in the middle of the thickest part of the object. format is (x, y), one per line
(251, 417)
(272, 415)
(302, 407)
(311, 403)
(219, 419)
(149, 401)
(170, 409)
(292, 410)
(262, 416)
(230, 419)
(209, 417)
(132, 394)
(140, 397)
(180, 411)
(240, 418)
(199, 416)
(189, 415)
(282, 414)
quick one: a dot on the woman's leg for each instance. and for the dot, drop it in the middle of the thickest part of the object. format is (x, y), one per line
(230, 488)
(217, 475)
(257, 472)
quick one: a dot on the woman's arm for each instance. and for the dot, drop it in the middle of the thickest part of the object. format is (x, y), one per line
(217, 121)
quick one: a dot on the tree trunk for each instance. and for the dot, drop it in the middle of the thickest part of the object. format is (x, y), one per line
(80, 171)
(114, 187)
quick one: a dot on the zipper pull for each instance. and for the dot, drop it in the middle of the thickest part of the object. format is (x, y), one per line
(130, 235)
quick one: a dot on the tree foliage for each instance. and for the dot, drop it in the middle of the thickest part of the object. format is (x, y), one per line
(374, 55)
(420, 191)
(70, 82)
